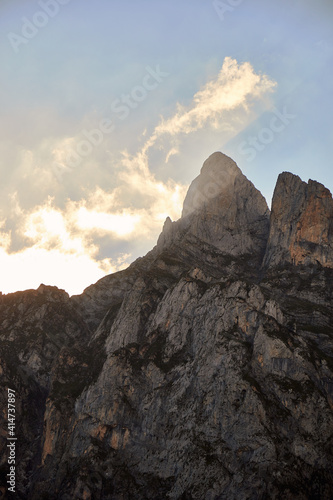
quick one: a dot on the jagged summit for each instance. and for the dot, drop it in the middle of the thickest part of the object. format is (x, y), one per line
(202, 371)
(222, 208)
(219, 161)
(217, 174)
(301, 227)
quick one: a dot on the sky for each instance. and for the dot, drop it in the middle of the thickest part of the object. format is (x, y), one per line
(110, 108)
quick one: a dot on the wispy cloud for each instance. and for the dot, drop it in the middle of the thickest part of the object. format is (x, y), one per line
(236, 88)
(70, 244)
(236, 85)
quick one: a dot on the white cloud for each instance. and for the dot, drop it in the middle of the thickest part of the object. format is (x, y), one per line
(62, 246)
(121, 224)
(62, 250)
(59, 253)
(33, 266)
(235, 86)
(172, 152)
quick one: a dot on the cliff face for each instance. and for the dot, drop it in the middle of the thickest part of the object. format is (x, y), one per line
(301, 230)
(224, 209)
(203, 371)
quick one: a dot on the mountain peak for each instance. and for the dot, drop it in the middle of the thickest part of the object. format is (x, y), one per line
(301, 225)
(196, 372)
(217, 174)
(223, 209)
(219, 162)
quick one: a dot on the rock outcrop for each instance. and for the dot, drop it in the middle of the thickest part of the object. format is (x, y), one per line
(224, 209)
(301, 229)
(203, 371)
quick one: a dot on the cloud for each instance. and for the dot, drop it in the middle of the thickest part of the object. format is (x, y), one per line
(216, 106)
(122, 224)
(68, 240)
(33, 266)
(60, 245)
(58, 253)
(172, 152)
(236, 85)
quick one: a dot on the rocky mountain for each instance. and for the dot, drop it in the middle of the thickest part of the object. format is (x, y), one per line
(203, 371)
(301, 223)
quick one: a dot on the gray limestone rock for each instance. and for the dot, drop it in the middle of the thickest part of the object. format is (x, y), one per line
(222, 208)
(203, 371)
(301, 229)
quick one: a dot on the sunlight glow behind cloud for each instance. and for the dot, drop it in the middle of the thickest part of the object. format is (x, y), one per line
(122, 224)
(62, 248)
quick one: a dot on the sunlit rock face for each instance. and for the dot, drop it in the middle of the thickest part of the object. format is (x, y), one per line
(301, 230)
(203, 371)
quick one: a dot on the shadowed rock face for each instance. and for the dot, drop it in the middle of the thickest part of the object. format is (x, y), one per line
(217, 177)
(203, 371)
(224, 209)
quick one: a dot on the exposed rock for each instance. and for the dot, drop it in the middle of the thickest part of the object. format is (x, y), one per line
(222, 208)
(217, 176)
(301, 230)
(199, 372)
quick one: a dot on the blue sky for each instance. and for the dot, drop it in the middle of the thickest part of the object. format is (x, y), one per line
(110, 108)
